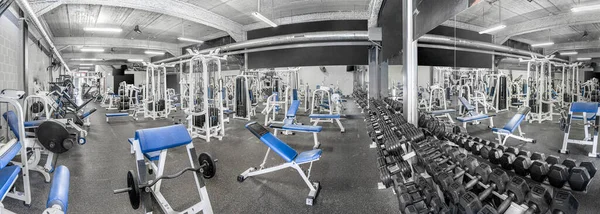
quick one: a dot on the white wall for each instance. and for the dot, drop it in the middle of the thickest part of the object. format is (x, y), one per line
(336, 75)
(38, 63)
(395, 75)
(10, 77)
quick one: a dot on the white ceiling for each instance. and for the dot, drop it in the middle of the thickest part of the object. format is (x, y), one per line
(535, 21)
(66, 19)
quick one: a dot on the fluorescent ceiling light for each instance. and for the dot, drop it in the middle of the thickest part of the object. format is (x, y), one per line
(489, 30)
(336, 35)
(100, 29)
(568, 53)
(542, 44)
(154, 52)
(86, 64)
(85, 68)
(92, 50)
(585, 8)
(135, 60)
(86, 59)
(584, 59)
(189, 40)
(264, 19)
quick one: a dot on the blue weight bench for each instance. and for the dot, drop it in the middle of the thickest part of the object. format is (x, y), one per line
(327, 118)
(442, 113)
(289, 125)
(58, 197)
(150, 147)
(472, 116)
(587, 112)
(513, 124)
(292, 159)
(8, 151)
(120, 114)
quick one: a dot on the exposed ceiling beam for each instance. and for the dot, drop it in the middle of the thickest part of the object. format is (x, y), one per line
(106, 56)
(462, 25)
(545, 23)
(314, 17)
(172, 48)
(573, 46)
(175, 8)
(374, 8)
(42, 7)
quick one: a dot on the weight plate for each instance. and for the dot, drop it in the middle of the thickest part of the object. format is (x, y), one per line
(134, 190)
(209, 169)
(51, 134)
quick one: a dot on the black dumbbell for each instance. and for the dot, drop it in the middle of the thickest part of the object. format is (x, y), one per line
(580, 176)
(509, 156)
(564, 202)
(539, 169)
(471, 203)
(538, 200)
(538, 156)
(495, 155)
(558, 174)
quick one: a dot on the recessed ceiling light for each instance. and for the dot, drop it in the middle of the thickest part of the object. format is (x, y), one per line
(264, 19)
(154, 52)
(99, 29)
(492, 29)
(189, 40)
(568, 53)
(87, 59)
(584, 59)
(92, 50)
(86, 64)
(135, 60)
(542, 44)
(585, 8)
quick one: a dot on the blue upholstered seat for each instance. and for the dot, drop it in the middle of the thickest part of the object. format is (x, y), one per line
(473, 118)
(59, 191)
(324, 116)
(156, 139)
(308, 156)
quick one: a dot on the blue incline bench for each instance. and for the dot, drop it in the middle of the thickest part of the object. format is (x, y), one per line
(473, 115)
(513, 124)
(588, 113)
(289, 124)
(292, 159)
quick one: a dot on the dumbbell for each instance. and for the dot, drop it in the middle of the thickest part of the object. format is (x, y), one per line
(538, 200)
(580, 176)
(508, 157)
(495, 154)
(469, 165)
(517, 191)
(471, 203)
(539, 169)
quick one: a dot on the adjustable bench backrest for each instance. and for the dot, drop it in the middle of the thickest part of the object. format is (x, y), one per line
(466, 103)
(282, 149)
(13, 122)
(293, 108)
(156, 139)
(516, 120)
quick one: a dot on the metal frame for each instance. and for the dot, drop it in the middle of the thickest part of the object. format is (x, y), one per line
(324, 91)
(588, 140)
(203, 206)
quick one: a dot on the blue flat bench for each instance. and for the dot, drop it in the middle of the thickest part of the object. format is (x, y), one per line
(588, 112)
(472, 114)
(513, 124)
(316, 118)
(289, 126)
(292, 159)
(120, 114)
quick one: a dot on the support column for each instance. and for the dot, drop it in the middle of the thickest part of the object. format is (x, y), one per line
(374, 80)
(24, 55)
(383, 79)
(409, 60)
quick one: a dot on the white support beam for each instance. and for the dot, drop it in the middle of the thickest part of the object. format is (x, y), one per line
(314, 17)
(374, 8)
(105, 56)
(172, 48)
(548, 22)
(176, 8)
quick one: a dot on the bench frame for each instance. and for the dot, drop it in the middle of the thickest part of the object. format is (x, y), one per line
(502, 137)
(158, 167)
(588, 140)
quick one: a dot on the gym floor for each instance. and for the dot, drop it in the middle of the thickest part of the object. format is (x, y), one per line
(346, 170)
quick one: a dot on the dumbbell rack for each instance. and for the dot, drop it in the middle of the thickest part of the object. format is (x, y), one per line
(562, 175)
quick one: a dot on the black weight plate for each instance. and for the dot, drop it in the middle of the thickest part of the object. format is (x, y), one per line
(209, 169)
(51, 134)
(134, 191)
